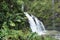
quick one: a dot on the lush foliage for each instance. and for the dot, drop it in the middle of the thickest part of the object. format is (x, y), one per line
(14, 24)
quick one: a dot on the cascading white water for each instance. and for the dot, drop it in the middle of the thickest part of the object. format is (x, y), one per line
(35, 24)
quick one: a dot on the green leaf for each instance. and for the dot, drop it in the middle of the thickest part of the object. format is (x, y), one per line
(12, 23)
(18, 20)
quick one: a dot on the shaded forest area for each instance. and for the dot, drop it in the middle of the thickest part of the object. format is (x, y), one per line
(14, 24)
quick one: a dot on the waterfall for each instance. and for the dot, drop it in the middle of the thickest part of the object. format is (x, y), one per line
(35, 24)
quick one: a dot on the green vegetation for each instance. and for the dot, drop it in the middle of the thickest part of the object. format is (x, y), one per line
(14, 24)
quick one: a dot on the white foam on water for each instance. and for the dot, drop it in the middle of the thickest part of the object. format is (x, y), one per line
(35, 24)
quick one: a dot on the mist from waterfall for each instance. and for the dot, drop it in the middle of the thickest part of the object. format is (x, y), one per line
(35, 24)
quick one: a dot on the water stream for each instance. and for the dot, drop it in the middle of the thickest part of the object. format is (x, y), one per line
(35, 24)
